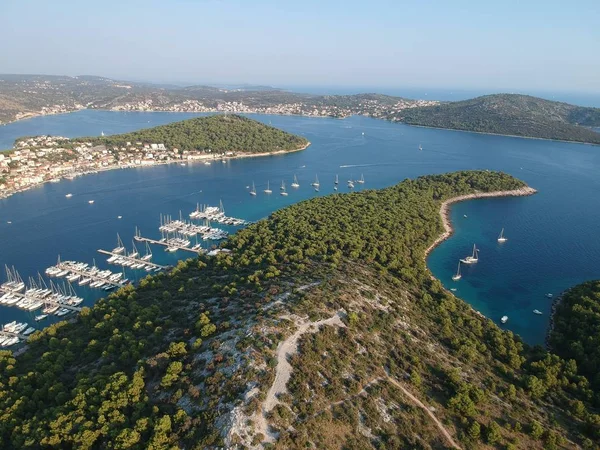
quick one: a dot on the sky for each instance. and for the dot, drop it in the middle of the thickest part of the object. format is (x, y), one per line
(498, 45)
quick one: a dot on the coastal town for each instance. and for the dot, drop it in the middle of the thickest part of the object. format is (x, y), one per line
(42, 159)
(365, 107)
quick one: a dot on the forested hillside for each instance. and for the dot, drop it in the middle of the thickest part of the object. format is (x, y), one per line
(386, 358)
(511, 114)
(218, 133)
(576, 330)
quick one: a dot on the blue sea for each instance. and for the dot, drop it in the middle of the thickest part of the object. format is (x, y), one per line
(552, 236)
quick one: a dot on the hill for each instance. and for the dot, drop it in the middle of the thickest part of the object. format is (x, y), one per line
(576, 329)
(218, 133)
(322, 328)
(510, 114)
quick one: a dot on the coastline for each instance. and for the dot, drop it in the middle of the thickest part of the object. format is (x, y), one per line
(555, 304)
(496, 134)
(445, 210)
(34, 115)
(209, 158)
(448, 230)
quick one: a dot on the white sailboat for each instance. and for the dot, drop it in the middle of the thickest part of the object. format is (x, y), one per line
(420, 147)
(268, 189)
(283, 191)
(337, 181)
(501, 238)
(295, 183)
(457, 276)
(504, 319)
(253, 190)
(473, 258)
(282, 187)
(362, 179)
(316, 183)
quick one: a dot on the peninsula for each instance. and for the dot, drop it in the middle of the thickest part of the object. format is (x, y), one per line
(36, 160)
(320, 328)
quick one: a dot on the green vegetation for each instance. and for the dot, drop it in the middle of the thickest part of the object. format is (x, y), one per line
(576, 330)
(511, 114)
(164, 365)
(218, 133)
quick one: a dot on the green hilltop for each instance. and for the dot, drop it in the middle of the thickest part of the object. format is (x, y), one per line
(218, 133)
(189, 359)
(510, 114)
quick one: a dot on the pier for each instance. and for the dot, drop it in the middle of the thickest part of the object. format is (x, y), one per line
(48, 300)
(138, 237)
(86, 273)
(155, 267)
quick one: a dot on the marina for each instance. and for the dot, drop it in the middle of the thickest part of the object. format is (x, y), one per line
(86, 275)
(171, 244)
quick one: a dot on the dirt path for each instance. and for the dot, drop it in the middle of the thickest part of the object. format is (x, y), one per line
(284, 370)
(420, 404)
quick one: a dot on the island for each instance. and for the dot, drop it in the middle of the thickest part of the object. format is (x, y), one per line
(509, 114)
(41, 159)
(321, 327)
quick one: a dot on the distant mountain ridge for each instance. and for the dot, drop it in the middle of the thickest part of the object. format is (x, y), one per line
(510, 114)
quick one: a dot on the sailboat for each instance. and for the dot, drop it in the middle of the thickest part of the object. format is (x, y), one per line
(473, 258)
(120, 248)
(283, 191)
(457, 276)
(268, 189)
(501, 238)
(102, 133)
(253, 190)
(316, 183)
(362, 179)
(295, 183)
(337, 181)
(420, 147)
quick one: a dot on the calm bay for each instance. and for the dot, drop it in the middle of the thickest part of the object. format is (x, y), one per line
(551, 245)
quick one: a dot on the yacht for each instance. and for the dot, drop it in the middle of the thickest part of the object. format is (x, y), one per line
(420, 147)
(549, 295)
(316, 183)
(253, 190)
(120, 248)
(207, 163)
(91, 202)
(362, 179)
(69, 195)
(283, 191)
(351, 184)
(501, 238)
(40, 317)
(295, 183)
(337, 181)
(473, 258)
(504, 319)
(457, 276)
(268, 189)
(537, 311)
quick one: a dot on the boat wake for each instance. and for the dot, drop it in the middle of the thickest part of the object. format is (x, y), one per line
(360, 165)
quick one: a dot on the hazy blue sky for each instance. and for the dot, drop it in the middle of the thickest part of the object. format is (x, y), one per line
(505, 44)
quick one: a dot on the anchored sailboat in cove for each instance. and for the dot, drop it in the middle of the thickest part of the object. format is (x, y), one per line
(473, 258)
(457, 276)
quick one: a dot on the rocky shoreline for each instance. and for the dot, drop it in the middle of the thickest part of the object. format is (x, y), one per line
(555, 304)
(445, 209)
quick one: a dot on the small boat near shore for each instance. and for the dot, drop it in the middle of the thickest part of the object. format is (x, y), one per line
(504, 319)
(268, 189)
(549, 295)
(295, 184)
(538, 312)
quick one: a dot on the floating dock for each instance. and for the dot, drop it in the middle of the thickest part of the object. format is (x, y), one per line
(156, 267)
(138, 237)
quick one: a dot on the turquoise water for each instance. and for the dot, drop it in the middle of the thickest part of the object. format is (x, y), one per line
(552, 235)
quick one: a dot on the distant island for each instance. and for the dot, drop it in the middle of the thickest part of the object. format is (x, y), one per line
(321, 328)
(39, 159)
(24, 96)
(510, 114)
